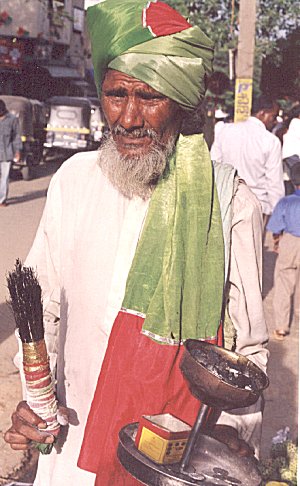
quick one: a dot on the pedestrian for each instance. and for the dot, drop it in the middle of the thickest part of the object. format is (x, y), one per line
(135, 249)
(10, 148)
(285, 226)
(291, 147)
(220, 120)
(255, 152)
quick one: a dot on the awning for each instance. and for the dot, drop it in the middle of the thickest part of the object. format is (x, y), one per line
(63, 72)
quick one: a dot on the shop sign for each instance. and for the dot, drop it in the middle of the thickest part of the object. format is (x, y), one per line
(11, 53)
(243, 99)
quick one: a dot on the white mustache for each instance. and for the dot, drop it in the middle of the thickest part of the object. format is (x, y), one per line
(135, 132)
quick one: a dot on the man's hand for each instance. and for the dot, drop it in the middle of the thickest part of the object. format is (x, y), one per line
(25, 428)
(17, 157)
(229, 436)
(276, 241)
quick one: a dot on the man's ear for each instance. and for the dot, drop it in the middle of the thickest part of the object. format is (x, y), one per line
(260, 114)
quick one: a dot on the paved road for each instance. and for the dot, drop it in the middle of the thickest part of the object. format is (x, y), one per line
(281, 407)
(18, 224)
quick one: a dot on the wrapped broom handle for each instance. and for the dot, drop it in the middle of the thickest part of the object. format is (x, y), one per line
(40, 393)
(26, 302)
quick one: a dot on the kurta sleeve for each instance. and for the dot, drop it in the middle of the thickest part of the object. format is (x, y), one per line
(245, 306)
(216, 151)
(274, 173)
(44, 257)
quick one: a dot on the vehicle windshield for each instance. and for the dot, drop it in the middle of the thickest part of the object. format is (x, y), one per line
(68, 116)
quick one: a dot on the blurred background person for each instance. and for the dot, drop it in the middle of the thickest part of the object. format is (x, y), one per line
(220, 120)
(255, 152)
(285, 226)
(291, 148)
(10, 148)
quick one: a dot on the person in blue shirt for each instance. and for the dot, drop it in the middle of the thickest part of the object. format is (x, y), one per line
(285, 226)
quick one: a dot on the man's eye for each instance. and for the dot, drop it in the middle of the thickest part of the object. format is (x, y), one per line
(115, 94)
(151, 97)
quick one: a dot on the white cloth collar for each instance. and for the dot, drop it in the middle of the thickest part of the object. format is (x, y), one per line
(257, 121)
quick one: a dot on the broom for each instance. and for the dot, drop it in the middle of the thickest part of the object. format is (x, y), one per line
(26, 302)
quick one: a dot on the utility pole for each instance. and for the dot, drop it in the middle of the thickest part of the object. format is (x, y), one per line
(245, 60)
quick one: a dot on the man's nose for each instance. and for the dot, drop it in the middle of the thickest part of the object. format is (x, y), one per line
(131, 115)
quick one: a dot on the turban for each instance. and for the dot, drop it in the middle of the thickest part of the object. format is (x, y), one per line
(152, 42)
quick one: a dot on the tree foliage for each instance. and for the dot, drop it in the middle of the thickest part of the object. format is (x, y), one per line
(216, 18)
(219, 19)
(277, 22)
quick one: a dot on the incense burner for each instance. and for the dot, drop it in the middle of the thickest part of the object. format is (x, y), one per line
(222, 380)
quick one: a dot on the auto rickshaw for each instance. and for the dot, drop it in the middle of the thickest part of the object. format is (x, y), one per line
(70, 126)
(32, 127)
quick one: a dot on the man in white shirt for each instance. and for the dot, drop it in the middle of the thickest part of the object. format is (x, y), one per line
(255, 152)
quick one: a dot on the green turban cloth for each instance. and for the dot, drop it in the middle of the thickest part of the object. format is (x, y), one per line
(151, 42)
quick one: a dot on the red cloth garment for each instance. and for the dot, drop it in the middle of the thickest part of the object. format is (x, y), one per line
(138, 377)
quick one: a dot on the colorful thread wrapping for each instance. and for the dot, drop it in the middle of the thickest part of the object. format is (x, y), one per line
(40, 385)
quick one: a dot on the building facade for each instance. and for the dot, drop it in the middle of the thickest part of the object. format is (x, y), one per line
(42, 48)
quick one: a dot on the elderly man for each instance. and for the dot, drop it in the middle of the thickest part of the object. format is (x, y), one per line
(136, 248)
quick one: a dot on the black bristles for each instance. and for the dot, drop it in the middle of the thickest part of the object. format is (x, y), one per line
(26, 302)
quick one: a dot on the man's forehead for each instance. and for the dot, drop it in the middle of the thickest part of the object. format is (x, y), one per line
(116, 79)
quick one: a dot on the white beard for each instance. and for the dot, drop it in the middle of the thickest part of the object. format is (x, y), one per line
(136, 175)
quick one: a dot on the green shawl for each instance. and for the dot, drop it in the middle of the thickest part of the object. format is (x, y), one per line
(177, 275)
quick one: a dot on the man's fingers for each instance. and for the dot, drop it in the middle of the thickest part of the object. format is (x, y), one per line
(229, 436)
(31, 432)
(20, 442)
(13, 437)
(63, 415)
(245, 449)
(25, 428)
(233, 444)
(27, 415)
(239, 446)
(20, 447)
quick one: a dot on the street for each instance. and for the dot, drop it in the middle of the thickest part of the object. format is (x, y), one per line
(18, 224)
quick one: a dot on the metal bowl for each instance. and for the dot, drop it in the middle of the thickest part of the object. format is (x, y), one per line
(212, 389)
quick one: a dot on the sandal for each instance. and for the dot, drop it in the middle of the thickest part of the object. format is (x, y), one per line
(280, 335)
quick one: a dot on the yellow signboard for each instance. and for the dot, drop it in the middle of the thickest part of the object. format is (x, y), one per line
(243, 99)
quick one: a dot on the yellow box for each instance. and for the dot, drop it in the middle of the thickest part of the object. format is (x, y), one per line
(162, 438)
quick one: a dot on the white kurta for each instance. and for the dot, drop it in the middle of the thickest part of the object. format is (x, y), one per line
(291, 139)
(256, 154)
(83, 252)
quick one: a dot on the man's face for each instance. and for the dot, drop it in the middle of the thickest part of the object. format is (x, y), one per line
(268, 117)
(137, 114)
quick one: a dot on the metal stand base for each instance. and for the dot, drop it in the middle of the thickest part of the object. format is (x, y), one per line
(212, 464)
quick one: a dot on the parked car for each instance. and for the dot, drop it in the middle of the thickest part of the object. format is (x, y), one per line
(73, 124)
(32, 122)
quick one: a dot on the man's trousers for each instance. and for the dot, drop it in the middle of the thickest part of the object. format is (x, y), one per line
(286, 281)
